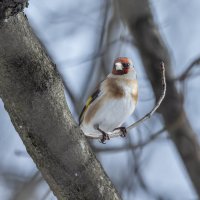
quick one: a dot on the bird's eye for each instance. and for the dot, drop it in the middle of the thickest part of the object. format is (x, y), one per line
(126, 64)
(118, 66)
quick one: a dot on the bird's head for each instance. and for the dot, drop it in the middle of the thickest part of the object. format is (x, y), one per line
(122, 66)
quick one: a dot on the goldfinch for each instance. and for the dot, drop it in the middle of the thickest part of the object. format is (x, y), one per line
(113, 101)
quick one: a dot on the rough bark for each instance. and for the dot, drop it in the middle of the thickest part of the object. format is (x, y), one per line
(152, 49)
(33, 95)
(11, 7)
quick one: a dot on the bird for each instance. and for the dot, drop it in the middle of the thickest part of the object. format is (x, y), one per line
(113, 101)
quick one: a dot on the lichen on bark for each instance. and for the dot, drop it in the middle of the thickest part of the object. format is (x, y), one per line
(11, 7)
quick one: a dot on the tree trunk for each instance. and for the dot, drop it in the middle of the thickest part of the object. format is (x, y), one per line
(138, 16)
(33, 95)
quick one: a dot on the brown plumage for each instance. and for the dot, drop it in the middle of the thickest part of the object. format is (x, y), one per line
(113, 90)
(92, 110)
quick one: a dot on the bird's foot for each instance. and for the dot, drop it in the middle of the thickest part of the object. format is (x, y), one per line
(105, 137)
(123, 130)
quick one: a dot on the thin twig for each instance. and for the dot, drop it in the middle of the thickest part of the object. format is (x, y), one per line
(148, 115)
(117, 133)
(131, 146)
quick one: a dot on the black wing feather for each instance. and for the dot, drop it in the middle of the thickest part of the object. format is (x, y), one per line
(89, 101)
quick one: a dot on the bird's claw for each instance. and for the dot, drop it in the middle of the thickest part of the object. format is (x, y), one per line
(123, 130)
(105, 137)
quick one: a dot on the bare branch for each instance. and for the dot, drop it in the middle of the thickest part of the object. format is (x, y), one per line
(33, 95)
(130, 146)
(147, 116)
(117, 133)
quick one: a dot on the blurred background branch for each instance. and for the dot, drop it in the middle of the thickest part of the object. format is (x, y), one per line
(152, 49)
(84, 39)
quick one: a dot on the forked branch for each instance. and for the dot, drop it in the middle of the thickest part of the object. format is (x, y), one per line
(117, 133)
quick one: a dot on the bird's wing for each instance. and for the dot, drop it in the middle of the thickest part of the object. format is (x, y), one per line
(89, 101)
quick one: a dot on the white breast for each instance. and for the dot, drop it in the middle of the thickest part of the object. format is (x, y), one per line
(112, 113)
